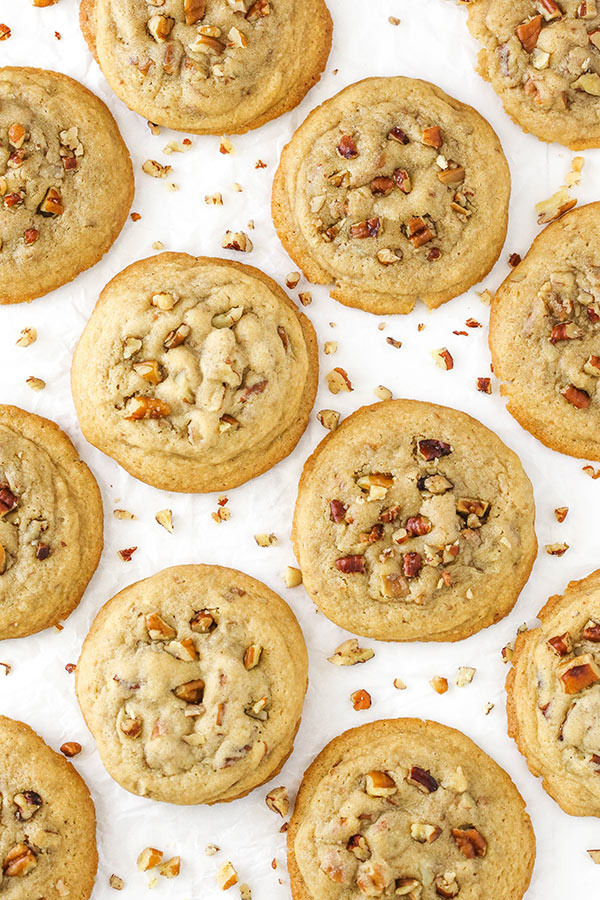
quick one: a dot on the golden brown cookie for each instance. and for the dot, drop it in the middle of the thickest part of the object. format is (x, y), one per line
(414, 522)
(209, 66)
(195, 374)
(192, 683)
(542, 58)
(545, 335)
(66, 181)
(403, 807)
(50, 524)
(393, 191)
(554, 696)
(47, 819)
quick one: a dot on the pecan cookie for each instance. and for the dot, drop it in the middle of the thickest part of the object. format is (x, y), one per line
(50, 524)
(66, 181)
(554, 696)
(393, 191)
(542, 58)
(195, 374)
(47, 821)
(409, 808)
(414, 522)
(209, 66)
(192, 683)
(545, 335)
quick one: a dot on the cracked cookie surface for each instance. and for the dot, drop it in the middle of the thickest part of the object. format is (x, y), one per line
(209, 66)
(543, 60)
(410, 808)
(192, 683)
(195, 374)
(545, 335)
(414, 522)
(66, 181)
(393, 191)
(554, 697)
(47, 821)
(50, 524)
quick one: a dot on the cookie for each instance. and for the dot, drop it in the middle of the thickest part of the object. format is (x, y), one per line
(195, 374)
(404, 807)
(66, 181)
(209, 66)
(545, 335)
(47, 819)
(414, 522)
(541, 57)
(50, 524)
(393, 191)
(192, 683)
(553, 694)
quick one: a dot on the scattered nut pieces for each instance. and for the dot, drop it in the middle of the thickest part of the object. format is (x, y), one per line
(237, 240)
(245, 892)
(383, 393)
(399, 684)
(27, 337)
(380, 784)
(278, 801)
(70, 748)
(116, 883)
(266, 540)
(393, 20)
(443, 358)
(226, 876)
(349, 654)
(149, 858)
(305, 298)
(439, 684)
(395, 343)
(214, 199)
(484, 385)
(155, 169)
(123, 514)
(292, 577)
(292, 280)
(556, 549)
(360, 699)
(211, 849)
(36, 384)
(593, 473)
(465, 675)
(329, 418)
(127, 553)
(170, 868)
(595, 856)
(337, 381)
(330, 347)
(164, 517)
(560, 513)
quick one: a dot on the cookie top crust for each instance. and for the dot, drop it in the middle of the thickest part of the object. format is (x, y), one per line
(195, 374)
(209, 66)
(395, 192)
(408, 808)
(545, 335)
(414, 522)
(47, 821)
(51, 524)
(192, 683)
(554, 697)
(542, 58)
(66, 181)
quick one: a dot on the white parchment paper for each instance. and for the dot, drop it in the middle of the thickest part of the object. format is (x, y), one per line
(431, 42)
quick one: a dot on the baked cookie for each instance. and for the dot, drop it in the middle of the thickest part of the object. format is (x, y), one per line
(195, 374)
(66, 181)
(545, 335)
(50, 524)
(393, 191)
(403, 807)
(542, 58)
(192, 683)
(209, 66)
(554, 696)
(47, 819)
(414, 522)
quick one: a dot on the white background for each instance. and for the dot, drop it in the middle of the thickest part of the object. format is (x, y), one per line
(431, 42)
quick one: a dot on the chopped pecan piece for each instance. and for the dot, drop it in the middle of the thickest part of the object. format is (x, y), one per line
(347, 147)
(258, 10)
(252, 656)
(253, 390)
(194, 11)
(446, 885)
(160, 27)
(149, 370)
(337, 510)
(412, 563)
(382, 185)
(578, 398)
(435, 484)
(529, 32)
(43, 551)
(147, 408)
(408, 887)
(422, 779)
(27, 803)
(439, 684)
(418, 231)
(132, 728)
(432, 137)
(203, 622)
(417, 526)
(470, 842)
(550, 9)
(564, 331)
(19, 861)
(366, 229)
(402, 179)
(158, 629)
(394, 586)
(591, 632)
(424, 833)
(380, 784)
(8, 500)
(52, 204)
(396, 134)
(358, 845)
(349, 654)
(149, 858)
(561, 513)
(278, 801)
(484, 385)
(592, 366)
(16, 135)
(452, 175)
(30, 236)
(579, 673)
(351, 564)
(562, 644)
(191, 691)
(433, 449)
(71, 748)
(466, 506)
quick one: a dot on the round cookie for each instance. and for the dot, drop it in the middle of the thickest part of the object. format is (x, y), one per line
(554, 695)
(541, 57)
(394, 192)
(192, 683)
(209, 66)
(47, 819)
(545, 335)
(51, 524)
(411, 808)
(414, 522)
(195, 374)
(66, 181)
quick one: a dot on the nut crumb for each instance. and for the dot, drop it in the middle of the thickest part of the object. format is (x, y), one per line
(214, 199)
(27, 337)
(292, 577)
(211, 849)
(226, 876)
(330, 347)
(278, 801)
(394, 342)
(149, 858)
(556, 549)
(116, 883)
(443, 358)
(158, 245)
(123, 514)
(399, 684)
(245, 892)
(465, 675)
(7, 667)
(593, 473)
(488, 708)
(292, 279)
(164, 517)
(349, 654)
(329, 418)
(484, 385)
(337, 381)
(595, 856)
(259, 164)
(70, 748)
(170, 868)
(266, 540)
(5, 32)
(560, 513)
(226, 146)
(514, 259)
(360, 700)
(127, 554)
(439, 684)
(383, 393)
(237, 240)
(393, 20)
(36, 384)
(155, 169)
